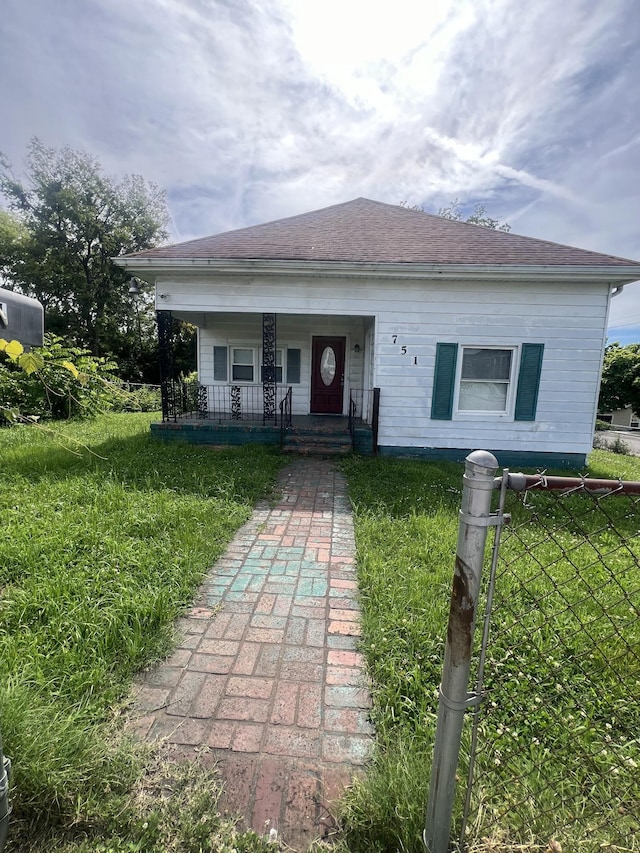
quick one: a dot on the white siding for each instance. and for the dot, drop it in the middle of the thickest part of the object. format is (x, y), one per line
(568, 318)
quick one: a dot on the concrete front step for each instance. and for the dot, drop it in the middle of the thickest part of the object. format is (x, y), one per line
(317, 449)
(317, 444)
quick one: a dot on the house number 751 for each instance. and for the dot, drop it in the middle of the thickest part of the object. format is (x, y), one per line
(403, 349)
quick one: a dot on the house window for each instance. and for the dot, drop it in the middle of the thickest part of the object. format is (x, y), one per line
(278, 368)
(243, 360)
(485, 380)
(293, 366)
(220, 368)
(242, 364)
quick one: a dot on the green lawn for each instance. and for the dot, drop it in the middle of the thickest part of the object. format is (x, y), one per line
(104, 535)
(406, 529)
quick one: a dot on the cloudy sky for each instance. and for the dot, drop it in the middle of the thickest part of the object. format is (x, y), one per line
(250, 110)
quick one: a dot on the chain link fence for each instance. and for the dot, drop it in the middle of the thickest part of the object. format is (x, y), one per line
(558, 748)
(551, 742)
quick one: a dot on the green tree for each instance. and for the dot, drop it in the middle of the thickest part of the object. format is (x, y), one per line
(478, 217)
(454, 211)
(620, 384)
(71, 220)
(12, 237)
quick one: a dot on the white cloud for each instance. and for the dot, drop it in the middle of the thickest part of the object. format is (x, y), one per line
(248, 110)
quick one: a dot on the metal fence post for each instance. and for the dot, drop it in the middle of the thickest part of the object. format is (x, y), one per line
(475, 519)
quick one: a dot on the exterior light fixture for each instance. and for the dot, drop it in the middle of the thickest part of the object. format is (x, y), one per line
(356, 348)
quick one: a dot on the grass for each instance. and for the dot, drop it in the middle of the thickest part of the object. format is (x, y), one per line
(558, 735)
(102, 546)
(104, 536)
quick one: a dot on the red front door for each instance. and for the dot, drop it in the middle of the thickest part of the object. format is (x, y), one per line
(327, 375)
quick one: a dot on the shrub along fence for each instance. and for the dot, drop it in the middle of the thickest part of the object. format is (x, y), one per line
(139, 397)
(548, 737)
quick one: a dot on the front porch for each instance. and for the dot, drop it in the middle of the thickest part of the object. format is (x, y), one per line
(299, 381)
(305, 434)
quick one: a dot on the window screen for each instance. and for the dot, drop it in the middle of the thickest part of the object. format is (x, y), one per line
(484, 380)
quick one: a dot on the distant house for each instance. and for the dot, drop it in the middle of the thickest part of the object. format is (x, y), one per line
(473, 338)
(621, 417)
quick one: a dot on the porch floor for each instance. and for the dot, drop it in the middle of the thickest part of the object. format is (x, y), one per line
(326, 423)
(307, 434)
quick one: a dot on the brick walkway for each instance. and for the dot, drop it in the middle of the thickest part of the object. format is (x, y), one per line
(267, 680)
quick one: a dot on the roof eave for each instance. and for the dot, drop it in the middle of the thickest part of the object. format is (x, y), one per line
(619, 274)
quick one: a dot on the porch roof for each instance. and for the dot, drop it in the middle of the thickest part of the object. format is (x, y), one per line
(371, 232)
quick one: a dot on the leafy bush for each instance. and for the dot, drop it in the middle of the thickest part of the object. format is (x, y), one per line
(614, 444)
(618, 445)
(56, 382)
(137, 398)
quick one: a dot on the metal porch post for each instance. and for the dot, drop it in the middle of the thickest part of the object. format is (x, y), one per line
(268, 368)
(165, 357)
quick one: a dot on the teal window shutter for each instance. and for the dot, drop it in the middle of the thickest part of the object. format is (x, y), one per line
(528, 382)
(293, 366)
(444, 382)
(220, 364)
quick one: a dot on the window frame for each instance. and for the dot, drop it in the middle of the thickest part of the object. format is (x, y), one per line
(232, 364)
(257, 364)
(512, 383)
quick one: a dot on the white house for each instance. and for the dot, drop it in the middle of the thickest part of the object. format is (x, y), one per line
(626, 418)
(475, 338)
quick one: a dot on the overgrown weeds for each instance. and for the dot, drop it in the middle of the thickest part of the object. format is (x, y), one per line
(104, 536)
(615, 444)
(406, 517)
(172, 807)
(406, 527)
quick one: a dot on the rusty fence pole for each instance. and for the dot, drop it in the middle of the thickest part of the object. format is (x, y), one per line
(475, 520)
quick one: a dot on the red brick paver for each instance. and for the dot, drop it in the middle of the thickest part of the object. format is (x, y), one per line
(267, 674)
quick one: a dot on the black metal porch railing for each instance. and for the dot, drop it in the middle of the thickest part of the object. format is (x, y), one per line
(364, 406)
(353, 409)
(285, 414)
(363, 403)
(357, 404)
(191, 400)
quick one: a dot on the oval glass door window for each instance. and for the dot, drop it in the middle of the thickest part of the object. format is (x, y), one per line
(328, 365)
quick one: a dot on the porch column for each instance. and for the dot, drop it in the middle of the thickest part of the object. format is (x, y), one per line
(165, 358)
(269, 367)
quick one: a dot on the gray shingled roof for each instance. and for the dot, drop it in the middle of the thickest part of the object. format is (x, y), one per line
(365, 231)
